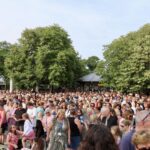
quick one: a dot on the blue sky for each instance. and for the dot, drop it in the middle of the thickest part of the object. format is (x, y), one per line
(90, 23)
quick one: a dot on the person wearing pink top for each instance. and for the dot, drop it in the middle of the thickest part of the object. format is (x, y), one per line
(47, 120)
(13, 137)
(3, 124)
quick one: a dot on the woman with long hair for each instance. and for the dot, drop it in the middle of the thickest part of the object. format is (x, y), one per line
(98, 137)
(13, 137)
(59, 132)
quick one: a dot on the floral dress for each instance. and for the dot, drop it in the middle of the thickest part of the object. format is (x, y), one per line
(59, 135)
(12, 138)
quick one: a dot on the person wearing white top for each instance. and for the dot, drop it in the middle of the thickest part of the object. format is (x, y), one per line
(31, 111)
(28, 127)
(28, 132)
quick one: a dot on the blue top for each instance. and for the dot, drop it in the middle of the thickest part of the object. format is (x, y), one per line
(126, 141)
(39, 109)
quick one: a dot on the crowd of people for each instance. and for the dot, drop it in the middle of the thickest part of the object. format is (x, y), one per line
(74, 121)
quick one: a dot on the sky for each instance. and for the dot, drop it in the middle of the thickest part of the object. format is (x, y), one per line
(89, 23)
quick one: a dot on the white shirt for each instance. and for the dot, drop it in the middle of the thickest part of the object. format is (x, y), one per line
(32, 114)
(28, 127)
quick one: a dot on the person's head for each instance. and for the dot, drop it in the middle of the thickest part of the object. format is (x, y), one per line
(124, 125)
(47, 112)
(13, 129)
(143, 120)
(15, 105)
(38, 144)
(128, 114)
(19, 105)
(141, 139)
(79, 112)
(72, 112)
(105, 111)
(63, 105)
(115, 131)
(25, 116)
(113, 113)
(61, 114)
(98, 137)
(30, 105)
(147, 104)
(40, 104)
(92, 105)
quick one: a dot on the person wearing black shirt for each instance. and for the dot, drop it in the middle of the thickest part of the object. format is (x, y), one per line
(75, 127)
(108, 119)
(18, 116)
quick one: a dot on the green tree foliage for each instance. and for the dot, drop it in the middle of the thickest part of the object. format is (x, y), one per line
(44, 55)
(127, 62)
(92, 62)
(4, 50)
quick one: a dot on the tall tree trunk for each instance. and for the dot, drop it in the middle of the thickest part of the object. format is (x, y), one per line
(11, 86)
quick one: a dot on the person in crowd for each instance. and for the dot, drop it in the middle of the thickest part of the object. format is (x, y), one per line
(110, 108)
(141, 139)
(80, 116)
(142, 123)
(31, 111)
(37, 144)
(39, 109)
(107, 118)
(47, 120)
(13, 137)
(39, 130)
(116, 133)
(18, 116)
(28, 132)
(76, 129)
(125, 126)
(3, 123)
(98, 137)
(59, 132)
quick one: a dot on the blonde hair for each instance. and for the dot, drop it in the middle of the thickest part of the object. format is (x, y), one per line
(141, 137)
(61, 111)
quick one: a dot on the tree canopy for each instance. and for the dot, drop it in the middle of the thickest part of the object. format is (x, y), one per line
(127, 62)
(4, 50)
(44, 55)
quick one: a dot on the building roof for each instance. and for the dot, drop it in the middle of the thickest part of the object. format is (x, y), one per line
(92, 77)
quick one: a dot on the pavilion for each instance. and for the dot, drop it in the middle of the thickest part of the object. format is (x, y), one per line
(90, 82)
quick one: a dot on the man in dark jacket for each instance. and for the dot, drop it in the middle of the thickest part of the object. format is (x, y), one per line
(107, 118)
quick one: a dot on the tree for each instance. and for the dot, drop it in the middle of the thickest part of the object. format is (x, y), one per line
(4, 50)
(127, 65)
(44, 55)
(92, 62)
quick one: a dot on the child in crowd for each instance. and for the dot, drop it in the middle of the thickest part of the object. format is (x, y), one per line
(13, 137)
(28, 132)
